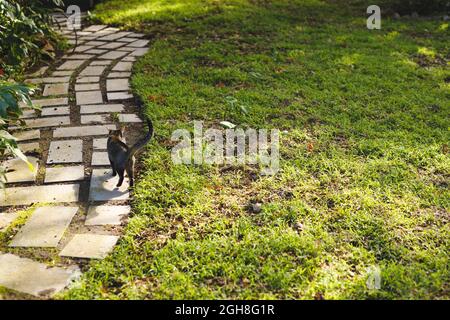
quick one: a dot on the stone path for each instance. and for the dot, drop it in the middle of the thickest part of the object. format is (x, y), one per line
(78, 210)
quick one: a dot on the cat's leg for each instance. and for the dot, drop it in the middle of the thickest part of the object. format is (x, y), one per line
(121, 173)
(114, 172)
(130, 173)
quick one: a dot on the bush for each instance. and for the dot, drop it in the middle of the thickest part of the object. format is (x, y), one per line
(26, 32)
(11, 97)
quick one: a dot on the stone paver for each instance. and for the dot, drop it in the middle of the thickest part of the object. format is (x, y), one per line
(71, 64)
(115, 36)
(112, 55)
(63, 73)
(106, 215)
(55, 111)
(103, 186)
(119, 96)
(112, 45)
(65, 151)
(129, 117)
(117, 85)
(45, 227)
(49, 80)
(139, 43)
(96, 27)
(100, 159)
(30, 147)
(27, 135)
(123, 74)
(88, 80)
(63, 174)
(139, 52)
(102, 108)
(50, 102)
(96, 51)
(56, 89)
(93, 71)
(89, 97)
(94, 118)
(101, 62)
(83, 131)
(17, 170)
(26, 275)
(83, 57)
(6, 218)
(123, 66)
(35, 194)
(48, 122)
(87, 87)
(100, 144)
(92, 246)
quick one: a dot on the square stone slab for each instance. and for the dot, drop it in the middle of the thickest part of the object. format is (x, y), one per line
(83, 48)
(100, 63)
(119, 74)
(48, 122)
(28, 195)
(87, 86)
(139, 43)
(27, 114)
(94, 118)
(49, 80)
(91, 246)
(95, 43)
(93, 71)
(27, 135)
(83, 131)
(139, 52)
(115, 36)
(95, 28)
(100, 159)
(106, 215)
(103, 186)
(56, 89)
(62, 73)
(119, 96)
(37, 279)
(17, 170)
(30, 147)
(55, 111)
(112, 55)
(100, 144)
(117, 85)
(83, 57)
(45, 227)
(6, 218)
(63, 174)
(96, 51)
(129, 117)
(65, 151)
(50, 102)
(71, 64)
(112, 45)
(102, 108)
(129, 59)
(89, 97)
(123, 66)
(88, 80)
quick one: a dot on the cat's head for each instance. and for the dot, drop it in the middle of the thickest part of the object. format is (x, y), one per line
(116, 134)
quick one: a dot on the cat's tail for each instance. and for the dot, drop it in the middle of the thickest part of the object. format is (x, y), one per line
(140, 144)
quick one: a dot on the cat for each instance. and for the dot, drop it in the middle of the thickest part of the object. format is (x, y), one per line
(121, 157)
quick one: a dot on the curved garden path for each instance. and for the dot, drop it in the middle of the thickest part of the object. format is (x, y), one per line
(76, 211)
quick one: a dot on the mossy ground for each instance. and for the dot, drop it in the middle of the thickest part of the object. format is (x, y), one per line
(364, 155)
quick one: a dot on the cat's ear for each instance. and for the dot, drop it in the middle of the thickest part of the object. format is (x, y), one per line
(121, 130)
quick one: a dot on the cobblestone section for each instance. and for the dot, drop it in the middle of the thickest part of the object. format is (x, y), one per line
(77, 210)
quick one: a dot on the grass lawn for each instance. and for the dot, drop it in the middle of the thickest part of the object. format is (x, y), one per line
(365, 167)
